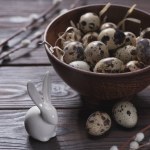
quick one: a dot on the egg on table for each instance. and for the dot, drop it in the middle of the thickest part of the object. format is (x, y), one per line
(98, 123)
(125, 114)
(95, 51)
(73, 51)
(109, 65)
(126, 53)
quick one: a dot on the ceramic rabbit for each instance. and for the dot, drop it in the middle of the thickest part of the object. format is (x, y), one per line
(41, 120)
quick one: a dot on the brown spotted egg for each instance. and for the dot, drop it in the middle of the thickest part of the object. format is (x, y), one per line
(130, 38)
(89, 22)
(125, 114)
(108, 25)
(73, 51)
(133, 66)
(113, 38)
(80, 65)
(95, 51)
(98, 123)
(109, 65)
(126, 53)
(143, 51)
(89, 37)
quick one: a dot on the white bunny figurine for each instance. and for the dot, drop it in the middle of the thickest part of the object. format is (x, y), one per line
(41, 120)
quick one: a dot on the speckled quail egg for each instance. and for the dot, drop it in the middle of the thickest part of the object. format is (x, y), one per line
(89, 22)
(133, 66)
(98, 123)
(126, 53)
(130, 38)
(95, 51)
(89, 37)
(109, 65)
(71, 34)
(143, 51)
(73, 51)
(108, 25)
(113, 38)
(125, 114)
(80, 65)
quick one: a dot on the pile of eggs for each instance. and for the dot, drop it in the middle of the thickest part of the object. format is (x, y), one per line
(103, 48)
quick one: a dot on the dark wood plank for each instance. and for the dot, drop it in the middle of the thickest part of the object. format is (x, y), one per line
(71, 133)
(13, 92)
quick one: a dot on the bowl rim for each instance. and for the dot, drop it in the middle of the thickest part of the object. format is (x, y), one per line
(124, 74)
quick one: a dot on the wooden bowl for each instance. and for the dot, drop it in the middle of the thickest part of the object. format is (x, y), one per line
(98, 87)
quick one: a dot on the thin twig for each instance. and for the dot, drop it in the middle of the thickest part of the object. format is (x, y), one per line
(35, 37)
(21, 46)
(124, 145)
(31, 24)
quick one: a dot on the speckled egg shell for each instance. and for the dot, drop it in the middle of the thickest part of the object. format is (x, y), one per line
(125, 114)
(113, 38)
(89, 22)
(95, 51)
(109, 65)
(133, 66)
(73, 51)
(143, 51)
(108, 25)
(89, 37)
(80, 65)
(130, 38)
(98, 123)
(126, 53)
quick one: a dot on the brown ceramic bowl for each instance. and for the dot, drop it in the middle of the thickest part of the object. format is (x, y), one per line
(98, 86)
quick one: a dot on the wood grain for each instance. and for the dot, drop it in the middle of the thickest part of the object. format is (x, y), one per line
(71, 133)
(14, 99)
(13, 91)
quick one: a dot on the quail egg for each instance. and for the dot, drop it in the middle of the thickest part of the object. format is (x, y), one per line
(80, 65)
(133, 66)
(109, 65)
(108, 25)
(126, 53)
(125, 114)
(98, 123)
(73, 51)
(89, 37)
(143, 51)
(89, 22)
(95, 51)
(130, 38)
(113, 38)
(71, 34)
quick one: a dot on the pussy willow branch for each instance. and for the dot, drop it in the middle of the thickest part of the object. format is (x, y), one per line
(32, 23)
(2, 57)
(21, 46)
(124, 145)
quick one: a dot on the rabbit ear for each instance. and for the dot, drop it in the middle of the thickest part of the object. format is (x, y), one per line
(46, 86)
(35, 96)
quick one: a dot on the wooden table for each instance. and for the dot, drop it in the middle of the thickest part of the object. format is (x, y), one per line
(14, 99)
